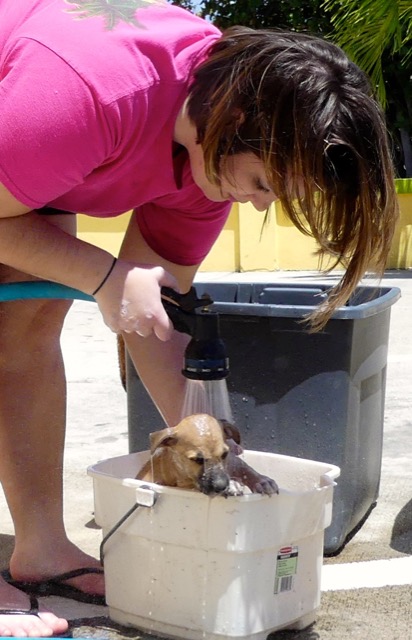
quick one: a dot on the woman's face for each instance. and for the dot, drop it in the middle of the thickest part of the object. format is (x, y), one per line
(243, 179)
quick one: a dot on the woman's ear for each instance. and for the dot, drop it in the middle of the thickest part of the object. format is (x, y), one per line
(239, 117)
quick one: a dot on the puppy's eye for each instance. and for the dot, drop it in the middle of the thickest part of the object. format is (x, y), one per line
(199, 459)
(224, 455)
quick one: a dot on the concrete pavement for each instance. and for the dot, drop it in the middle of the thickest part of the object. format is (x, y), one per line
(360, 599)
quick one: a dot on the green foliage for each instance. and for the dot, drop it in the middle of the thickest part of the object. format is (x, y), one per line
(297, 15)
(377, 35)
(186, 4)
(372, 31)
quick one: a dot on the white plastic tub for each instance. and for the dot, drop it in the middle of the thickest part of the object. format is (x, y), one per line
(212, 568)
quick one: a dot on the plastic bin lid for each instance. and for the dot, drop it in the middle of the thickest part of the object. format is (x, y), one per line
(294, 301)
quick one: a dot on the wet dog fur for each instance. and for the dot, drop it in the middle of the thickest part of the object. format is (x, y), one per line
(202, 453)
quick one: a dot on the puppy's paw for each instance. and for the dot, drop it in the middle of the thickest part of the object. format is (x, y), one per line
(247, 476)
(265, 485)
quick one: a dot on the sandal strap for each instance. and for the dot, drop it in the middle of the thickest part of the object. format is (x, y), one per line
(75, 573)
(33, 611)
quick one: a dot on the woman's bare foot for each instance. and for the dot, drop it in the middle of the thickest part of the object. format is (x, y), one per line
(42, 625)
(28, 566)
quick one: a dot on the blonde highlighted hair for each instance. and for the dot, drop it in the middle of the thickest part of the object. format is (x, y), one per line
(308, 113)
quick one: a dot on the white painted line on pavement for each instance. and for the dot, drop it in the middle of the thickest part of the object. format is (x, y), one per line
(399, 358)
(369, 575)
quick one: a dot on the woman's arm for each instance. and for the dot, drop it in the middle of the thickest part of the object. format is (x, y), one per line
(159, 364)
(29, 243)
(129, 300)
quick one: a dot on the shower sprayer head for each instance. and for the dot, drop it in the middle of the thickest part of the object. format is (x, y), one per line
(205, 356)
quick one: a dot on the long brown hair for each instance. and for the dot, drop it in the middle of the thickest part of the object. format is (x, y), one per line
(308, 112)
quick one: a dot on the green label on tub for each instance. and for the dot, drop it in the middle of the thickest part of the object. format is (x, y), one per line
(286, 568)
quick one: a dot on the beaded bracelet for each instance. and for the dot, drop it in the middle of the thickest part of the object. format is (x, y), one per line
(105, 277)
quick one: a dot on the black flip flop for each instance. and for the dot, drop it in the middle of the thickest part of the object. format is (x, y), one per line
(54, 586)
(33, 611)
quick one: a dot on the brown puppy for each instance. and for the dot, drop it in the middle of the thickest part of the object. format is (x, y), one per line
(196, 455)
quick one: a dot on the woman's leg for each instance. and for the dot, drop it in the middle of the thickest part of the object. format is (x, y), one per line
(158, 363)
(32, 430)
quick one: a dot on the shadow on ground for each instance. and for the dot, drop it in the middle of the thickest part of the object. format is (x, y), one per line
(401, 538)
(305, 634)
(106, 629)
(6, 549)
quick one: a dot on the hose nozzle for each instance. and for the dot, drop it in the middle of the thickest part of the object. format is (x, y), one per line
(205, 356)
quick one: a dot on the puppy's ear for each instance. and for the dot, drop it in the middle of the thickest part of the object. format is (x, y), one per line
(230, 431)
(163, 438)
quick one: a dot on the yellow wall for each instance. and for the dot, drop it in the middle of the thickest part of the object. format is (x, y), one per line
(401, 252)
(266, 244)
(224, 255)
(248, 242)
(107, 234)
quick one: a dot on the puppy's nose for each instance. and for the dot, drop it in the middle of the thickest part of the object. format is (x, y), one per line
(213, 481)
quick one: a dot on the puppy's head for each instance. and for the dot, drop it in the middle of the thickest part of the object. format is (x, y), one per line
(197, 450)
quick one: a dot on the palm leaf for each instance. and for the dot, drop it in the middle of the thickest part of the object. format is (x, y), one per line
(366, 29)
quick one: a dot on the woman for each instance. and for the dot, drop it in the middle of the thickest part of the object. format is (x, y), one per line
(154, 110)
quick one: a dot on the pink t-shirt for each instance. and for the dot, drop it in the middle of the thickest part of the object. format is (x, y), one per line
(87, 112)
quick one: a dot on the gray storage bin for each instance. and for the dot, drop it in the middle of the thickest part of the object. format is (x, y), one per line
(315, 396)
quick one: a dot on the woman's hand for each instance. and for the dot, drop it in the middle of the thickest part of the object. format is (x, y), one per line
(130, 300)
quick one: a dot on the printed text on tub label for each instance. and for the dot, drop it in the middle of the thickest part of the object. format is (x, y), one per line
(286, 567)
